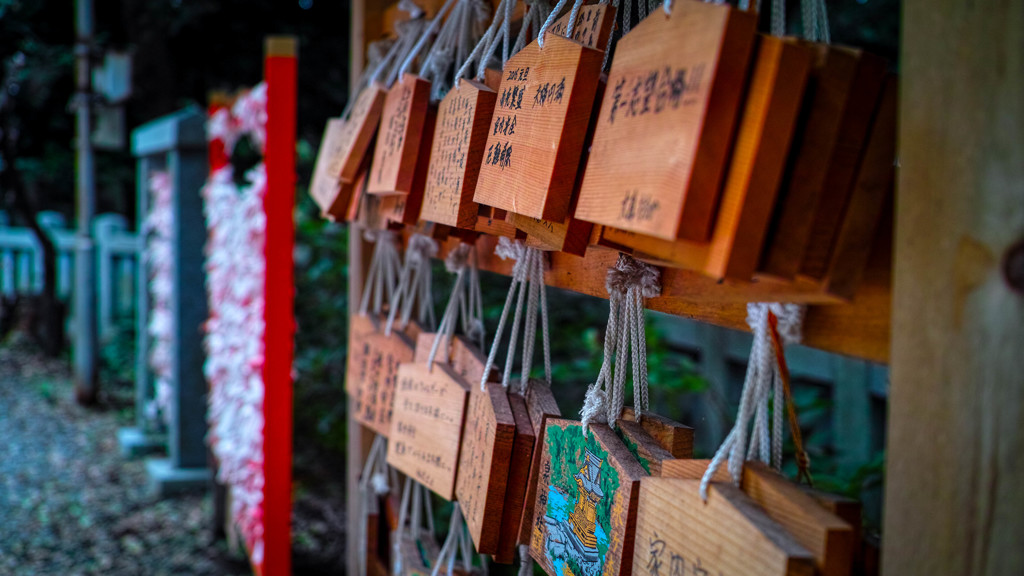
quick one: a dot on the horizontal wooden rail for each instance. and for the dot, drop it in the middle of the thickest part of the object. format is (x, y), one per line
(858, 328)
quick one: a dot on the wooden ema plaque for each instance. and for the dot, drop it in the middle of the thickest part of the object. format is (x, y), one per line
(398, 144)
(518, 480)
(872, 188)
(647, 451)
(586, 502)
(484, 464)
(357, 187)
(541, 406)
(359, 327)
(456, 153)
(823, 213)
(359, 130)
(663, 140)
(426, 430)
(843, 86)
(671, 435)
(326, 186)
(374, 360)
(406, 208)
(678, 533)
(766, 126)
(537, 130)
(828, 538)
(572, 235)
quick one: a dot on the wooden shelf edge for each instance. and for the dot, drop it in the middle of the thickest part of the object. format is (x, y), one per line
(859, 328)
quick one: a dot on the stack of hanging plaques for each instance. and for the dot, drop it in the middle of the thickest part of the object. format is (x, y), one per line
(342, 158)
(592, 29)
(373, 364)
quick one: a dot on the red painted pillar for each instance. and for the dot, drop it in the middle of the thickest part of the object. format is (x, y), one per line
(280, 72)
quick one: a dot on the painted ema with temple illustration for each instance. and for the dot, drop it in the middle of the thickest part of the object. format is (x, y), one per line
(576, 537)
(587, 482)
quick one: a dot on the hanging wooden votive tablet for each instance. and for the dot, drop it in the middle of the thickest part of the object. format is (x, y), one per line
(359, 131)
(647, 451)
(518, 479)
(826, 536)
(663, 139)
(671, 435)
(356, 189)
(572, 235)
(401, 128)
(542, 407)
(537, 130)
(679, 533)
(456, 153)
(374, 363)
(484, 464)
(586, 502)
(872, 188)
(325, 187)
(844, 87)
(406, 208)
(768, 120)
(426, 427)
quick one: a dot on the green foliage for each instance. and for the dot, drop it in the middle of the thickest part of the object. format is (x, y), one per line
(321, 309)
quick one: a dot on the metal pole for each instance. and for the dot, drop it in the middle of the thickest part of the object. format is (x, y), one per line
(85, 350)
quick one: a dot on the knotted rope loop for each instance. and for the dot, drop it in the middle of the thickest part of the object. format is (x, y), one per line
(527, 277)
(414, 285)
(763, 378)
(629, 283)
(468, 307)
(382, 278)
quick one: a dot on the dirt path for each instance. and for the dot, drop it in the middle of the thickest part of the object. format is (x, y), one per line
(69, 504)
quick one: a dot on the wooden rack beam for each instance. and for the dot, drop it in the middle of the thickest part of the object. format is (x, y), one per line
(859, 328)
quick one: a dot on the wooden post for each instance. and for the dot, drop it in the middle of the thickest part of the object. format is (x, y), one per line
(954, 503)
(280, 73)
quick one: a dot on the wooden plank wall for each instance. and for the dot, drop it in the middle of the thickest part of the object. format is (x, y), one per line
(954, 502)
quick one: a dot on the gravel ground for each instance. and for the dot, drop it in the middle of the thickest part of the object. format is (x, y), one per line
(69, 504)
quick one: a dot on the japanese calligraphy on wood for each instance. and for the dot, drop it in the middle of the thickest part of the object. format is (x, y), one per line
(398, 144)
(665, 132)
(572, 235)
(586, 501)
(830, 539)
(729, 535)
(841, 80)
(518, 479)
(537, 131)
(373, 365)
(359, 130)
(426, 429)
(405, 208)
(456, 154)
(484, 464)
(753, 178)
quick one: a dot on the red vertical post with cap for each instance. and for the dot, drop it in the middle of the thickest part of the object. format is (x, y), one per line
(280, 73)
